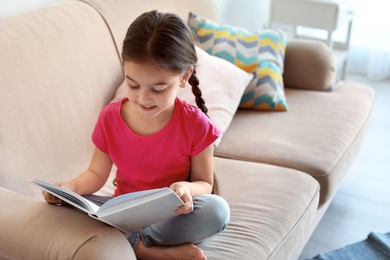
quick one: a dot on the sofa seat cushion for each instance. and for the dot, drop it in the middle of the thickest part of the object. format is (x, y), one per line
(320, 134)
(43, 231)
(272, 209)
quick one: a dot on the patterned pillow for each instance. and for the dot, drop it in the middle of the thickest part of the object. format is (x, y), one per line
(260, 53)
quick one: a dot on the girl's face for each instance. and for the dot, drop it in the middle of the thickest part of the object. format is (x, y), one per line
(153, 91)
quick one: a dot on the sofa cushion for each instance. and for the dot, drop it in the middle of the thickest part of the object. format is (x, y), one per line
(309, 64)
(320, 135)
(43, 231)
(272, 209)
(222, 86)
(260, 53)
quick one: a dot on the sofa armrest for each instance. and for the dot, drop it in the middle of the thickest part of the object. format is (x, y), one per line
(309, 64)
(32, 229)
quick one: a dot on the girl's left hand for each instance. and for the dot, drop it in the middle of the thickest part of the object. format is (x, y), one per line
(183, 191)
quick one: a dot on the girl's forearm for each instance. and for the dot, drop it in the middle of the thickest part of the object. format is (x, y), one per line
(86, 183)
(200, 187)
(95, 177)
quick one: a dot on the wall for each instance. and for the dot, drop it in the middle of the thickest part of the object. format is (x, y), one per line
(250, 14)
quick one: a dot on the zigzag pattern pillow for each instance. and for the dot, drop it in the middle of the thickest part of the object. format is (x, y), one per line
(260, 53)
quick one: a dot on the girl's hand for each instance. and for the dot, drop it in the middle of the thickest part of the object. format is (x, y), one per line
(183, 191)
(54, 200)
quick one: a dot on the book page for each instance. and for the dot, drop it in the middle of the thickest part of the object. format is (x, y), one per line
(155, 207)
(67, 196)
(118, 203)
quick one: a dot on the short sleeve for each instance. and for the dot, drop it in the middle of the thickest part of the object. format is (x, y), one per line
(204, 134)
(99, 133)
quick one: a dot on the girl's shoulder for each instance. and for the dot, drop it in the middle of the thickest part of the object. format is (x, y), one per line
(187, 108)
(112, 108)
(115, 103)
(191, 115)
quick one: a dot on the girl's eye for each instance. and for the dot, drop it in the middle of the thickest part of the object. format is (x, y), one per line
(133, 86)
(157, 91)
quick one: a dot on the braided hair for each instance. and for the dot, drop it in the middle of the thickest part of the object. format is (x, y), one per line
(194, 82)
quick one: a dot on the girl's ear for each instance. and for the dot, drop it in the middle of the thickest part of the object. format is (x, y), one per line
(186, 76)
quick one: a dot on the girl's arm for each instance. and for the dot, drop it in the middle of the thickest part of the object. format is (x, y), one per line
(201, 176)
(89, 181)
(201, 179)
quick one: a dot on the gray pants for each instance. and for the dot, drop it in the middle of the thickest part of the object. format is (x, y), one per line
(210, 216)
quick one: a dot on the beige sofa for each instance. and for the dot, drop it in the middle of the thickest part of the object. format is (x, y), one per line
(60, 64)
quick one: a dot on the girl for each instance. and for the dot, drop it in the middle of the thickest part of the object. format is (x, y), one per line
(157, 140)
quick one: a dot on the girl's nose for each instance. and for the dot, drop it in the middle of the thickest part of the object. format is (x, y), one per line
(143, 96)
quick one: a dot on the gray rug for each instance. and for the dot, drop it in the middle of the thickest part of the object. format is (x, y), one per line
(375, 247)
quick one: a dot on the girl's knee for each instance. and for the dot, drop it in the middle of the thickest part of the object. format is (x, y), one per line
(215, 210)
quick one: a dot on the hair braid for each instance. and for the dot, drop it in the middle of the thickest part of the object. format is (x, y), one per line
(194, 82)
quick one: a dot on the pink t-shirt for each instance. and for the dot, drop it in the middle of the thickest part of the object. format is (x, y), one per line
(157, 160)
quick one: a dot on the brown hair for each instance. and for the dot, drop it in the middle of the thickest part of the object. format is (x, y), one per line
(167, 40)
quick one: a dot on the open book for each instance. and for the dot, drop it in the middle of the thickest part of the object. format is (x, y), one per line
(126, 212)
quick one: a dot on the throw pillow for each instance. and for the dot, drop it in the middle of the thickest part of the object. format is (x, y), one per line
(222, 85)
(260, 53)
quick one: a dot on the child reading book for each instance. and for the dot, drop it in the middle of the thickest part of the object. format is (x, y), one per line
(157, 140)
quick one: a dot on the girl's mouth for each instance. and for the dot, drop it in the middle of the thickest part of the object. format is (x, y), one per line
(147, 108)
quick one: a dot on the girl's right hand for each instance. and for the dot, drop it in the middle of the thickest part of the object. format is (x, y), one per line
(52, 199)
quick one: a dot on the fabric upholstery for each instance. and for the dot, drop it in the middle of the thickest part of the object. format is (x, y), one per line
(334, 123)
(260, 53)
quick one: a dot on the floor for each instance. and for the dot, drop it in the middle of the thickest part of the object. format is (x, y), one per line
(362, 203)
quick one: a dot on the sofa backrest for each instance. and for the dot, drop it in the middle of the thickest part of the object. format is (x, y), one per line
(58, 67)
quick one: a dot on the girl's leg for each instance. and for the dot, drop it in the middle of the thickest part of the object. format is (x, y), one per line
(175, 238)
(211, 215)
